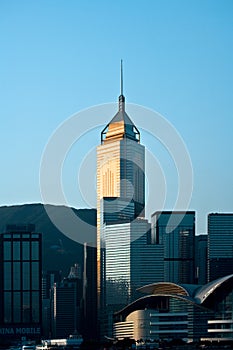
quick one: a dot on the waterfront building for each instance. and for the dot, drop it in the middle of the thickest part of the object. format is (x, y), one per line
(220, 245)
(20, 283)
(176, 311)
(174, 232)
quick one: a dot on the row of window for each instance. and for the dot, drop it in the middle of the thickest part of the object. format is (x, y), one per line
(20, 250)
(21, 307)
(21, 275)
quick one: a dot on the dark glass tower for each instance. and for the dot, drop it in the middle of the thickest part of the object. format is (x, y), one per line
(220, 245)
(20, 283)
(66, 308)
(89, 325)
(175, 233)
(201, 258)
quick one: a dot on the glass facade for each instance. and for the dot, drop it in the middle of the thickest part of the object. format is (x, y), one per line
(66, 312)
(117, 264)
(175, 233)
(220, 245)
(220, 325)
(20, 279)
(129, 258)
(201, 258)
(128, 263)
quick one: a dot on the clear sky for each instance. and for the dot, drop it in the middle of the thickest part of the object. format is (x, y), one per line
(59, 57)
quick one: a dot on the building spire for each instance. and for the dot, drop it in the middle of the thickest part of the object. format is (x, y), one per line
(122, 77)
(121, 97)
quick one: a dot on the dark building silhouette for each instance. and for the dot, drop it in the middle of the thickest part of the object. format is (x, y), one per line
(48, 280)
(20, 283)
(220, 245)
(70, 304)
(66, 305)
(174, 232)
(89, 329)
(201, 258)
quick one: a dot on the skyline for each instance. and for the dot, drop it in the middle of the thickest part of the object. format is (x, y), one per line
(58, 59)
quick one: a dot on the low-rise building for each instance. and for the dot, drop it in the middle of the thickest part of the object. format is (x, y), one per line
(171, 311)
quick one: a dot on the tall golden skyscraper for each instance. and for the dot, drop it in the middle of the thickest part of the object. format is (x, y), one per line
(120, 179)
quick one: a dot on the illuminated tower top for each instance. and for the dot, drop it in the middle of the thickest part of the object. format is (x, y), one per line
(121, 159)
(121, 126)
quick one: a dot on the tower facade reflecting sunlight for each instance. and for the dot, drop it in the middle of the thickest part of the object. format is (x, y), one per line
(123, 233)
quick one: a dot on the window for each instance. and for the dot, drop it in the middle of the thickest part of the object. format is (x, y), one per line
(16, 276)
(35, 250)
(7, 276)
(26, 307)
(7, 307)
(35, 276)
(16, 250)
(17, 307)
(26, 251)
(26, 275)
(7, 250)
(35, 307)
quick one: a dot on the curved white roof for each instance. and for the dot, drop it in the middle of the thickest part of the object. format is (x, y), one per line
(202, 293)
(195, 292)
(163, 287)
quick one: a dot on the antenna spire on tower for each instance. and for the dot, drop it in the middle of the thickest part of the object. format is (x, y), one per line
(121, 97)
(122, 77)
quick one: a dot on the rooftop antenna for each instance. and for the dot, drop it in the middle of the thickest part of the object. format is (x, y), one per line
(121, 97)
(122, 77)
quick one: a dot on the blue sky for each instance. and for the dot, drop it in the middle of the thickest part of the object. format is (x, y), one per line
(59, 57)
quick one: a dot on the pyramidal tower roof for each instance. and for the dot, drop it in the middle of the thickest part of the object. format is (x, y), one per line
(121, 126)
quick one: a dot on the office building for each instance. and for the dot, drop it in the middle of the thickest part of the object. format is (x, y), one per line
(126, 255)
(66, 308)
(89, 329)
(20, 283)
(201, 258)
(120, 171)
(129, 261)
(220, 245)
(48, 280)
(174, 232)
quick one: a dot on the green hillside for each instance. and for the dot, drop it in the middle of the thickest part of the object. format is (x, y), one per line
(61, 247)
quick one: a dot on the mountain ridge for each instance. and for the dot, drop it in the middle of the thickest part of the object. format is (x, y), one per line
(59, 251)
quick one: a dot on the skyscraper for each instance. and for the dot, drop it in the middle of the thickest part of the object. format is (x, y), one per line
(66, 305)
(89, 328)
(201, 258)
(175, 233)
(48, 280)
(122, 230)
(220, 245)
(20, 282)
